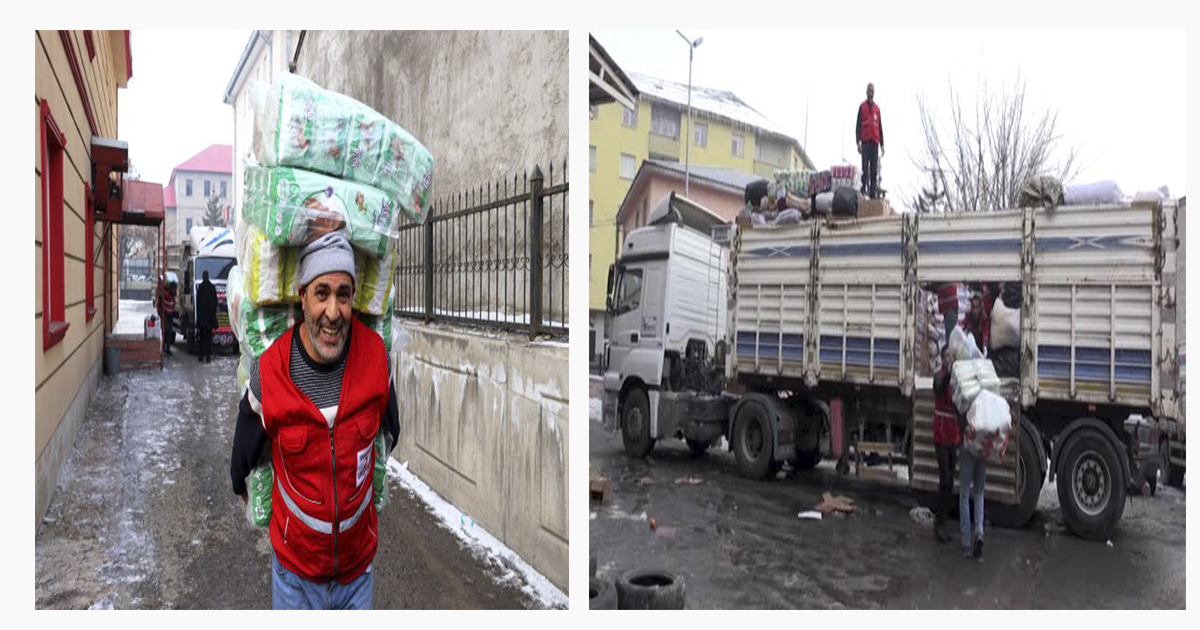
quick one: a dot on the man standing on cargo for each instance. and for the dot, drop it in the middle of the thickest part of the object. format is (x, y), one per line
(869, 134)
(946, 438)
(320, 428)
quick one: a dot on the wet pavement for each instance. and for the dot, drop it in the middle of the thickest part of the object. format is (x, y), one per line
(144, 516)
(739, 544)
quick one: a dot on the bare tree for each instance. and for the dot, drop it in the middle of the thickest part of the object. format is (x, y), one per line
(980, 164)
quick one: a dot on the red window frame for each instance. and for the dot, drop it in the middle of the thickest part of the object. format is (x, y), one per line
(54, 324)
(89, 238)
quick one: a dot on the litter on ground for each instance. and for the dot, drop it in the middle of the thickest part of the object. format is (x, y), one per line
(810, 515)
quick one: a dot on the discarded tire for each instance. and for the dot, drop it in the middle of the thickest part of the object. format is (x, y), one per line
(650, 589)
(601, 595)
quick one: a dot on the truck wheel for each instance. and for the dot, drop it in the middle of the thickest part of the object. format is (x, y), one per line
(1029, 487)
(642, 589)
(1172, 474)
(753, 441)
(601, 595)
(1091, 485)
(635, 424)
(807, 460)
(697, 447)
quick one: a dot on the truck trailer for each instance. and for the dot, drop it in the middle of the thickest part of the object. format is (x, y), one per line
(798, 342)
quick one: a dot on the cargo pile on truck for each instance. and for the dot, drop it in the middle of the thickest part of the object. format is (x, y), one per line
(791, 197)
(830, 329)
(322, 162)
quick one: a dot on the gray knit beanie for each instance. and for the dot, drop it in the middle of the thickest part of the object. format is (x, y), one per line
(327, 254)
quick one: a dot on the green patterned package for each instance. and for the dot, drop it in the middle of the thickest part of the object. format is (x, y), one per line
(380, 477)
(258, 489)
(271, 273)
(381, 324)
(303, 125)
(373, 282)
(294, 207)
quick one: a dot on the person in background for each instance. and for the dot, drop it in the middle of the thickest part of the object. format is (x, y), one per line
(978, 324)
(946, 438)
(948, 305)
(206, 316)
(868, 132)
(168, 317)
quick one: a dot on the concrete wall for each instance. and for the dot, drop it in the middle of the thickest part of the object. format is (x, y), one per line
(488, 105)
(484, 421)
(66, 374)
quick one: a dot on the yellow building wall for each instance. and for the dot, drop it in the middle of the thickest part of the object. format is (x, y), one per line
(61, 371)
(606, 189)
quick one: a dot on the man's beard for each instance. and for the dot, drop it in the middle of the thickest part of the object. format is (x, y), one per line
(327, 354)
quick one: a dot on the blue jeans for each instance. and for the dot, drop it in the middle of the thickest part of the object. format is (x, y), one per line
(972, 472)
(292, 592)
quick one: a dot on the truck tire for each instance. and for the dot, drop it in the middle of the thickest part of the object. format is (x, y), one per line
(601, 595)
(650, 589)
(1091, 484)
(1029, 487)
(697, 448)
(635, 424)
(753, 441)
(1172, 475)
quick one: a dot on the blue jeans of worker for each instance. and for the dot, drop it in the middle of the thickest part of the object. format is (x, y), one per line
(972, 473)
(292, 592)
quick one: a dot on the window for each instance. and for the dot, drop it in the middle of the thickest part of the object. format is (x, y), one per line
(700, 134)
(592, 159)
(89, 253)
(739, 145)
(207, 189)
(629, 117)
(629, 291)
(189, 188)
(224, 189)
(628, 166)
(664, 121)
(758, 150)
(54, 318)
(591, 211)
(189, 228)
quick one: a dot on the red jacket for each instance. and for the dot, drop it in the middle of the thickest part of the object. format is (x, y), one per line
(945, 417)
(322, 513)
(870, 123)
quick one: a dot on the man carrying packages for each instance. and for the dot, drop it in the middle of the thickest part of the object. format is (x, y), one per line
(318, 397)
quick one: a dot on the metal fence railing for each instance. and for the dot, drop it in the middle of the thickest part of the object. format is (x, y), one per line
(496, 256)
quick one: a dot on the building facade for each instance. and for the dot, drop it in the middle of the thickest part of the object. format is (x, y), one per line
(727, 133)
(720, 190)
(77, 75)
(206, 176)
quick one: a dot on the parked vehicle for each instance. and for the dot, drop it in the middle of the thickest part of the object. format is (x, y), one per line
(208, 249)
(815, 338)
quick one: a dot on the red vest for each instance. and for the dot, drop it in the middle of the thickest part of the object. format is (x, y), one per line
(322, 514)
(868, 113)
(945, 419)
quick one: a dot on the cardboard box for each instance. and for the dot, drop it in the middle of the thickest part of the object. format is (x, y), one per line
(870, 208)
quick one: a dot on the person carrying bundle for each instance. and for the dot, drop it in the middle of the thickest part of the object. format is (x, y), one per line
(320, 432)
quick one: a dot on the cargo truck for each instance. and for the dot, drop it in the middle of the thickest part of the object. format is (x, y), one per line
(798, 342)
(208, 249)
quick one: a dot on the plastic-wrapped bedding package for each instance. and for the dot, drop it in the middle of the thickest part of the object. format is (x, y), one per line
(303, 125)
(989, 423)
(373, 283)
(258, 488)
(381, 324)
(294, 207)
(257, 327)
(844, 175)
(969, 378)
(271, 273)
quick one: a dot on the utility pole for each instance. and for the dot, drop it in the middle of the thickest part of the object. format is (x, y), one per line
(687, 159)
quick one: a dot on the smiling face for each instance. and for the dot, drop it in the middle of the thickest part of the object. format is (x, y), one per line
(326, 301)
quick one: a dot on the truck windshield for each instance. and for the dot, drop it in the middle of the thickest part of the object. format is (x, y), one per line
(217, 268)
(629, 290)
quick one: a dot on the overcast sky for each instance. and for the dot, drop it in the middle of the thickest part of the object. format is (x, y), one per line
(1121, 97)
(172, 107)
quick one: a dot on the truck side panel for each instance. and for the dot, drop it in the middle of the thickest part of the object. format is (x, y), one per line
(770, 322)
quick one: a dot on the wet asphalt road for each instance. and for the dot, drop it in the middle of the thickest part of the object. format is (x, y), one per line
(739, 544)
(144, 515)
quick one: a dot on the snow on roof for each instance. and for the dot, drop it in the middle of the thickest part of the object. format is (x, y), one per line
(726, 176)
(719, 102)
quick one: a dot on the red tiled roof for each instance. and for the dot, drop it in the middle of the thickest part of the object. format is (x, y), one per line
(141, 195)
(217, 158)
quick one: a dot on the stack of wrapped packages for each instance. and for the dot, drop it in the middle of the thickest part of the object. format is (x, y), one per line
(977, 393)
(322, 162)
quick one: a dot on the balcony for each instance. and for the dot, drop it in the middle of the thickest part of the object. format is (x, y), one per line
(664, 145)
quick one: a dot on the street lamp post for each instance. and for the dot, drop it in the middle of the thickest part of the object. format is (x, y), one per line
(687, 159)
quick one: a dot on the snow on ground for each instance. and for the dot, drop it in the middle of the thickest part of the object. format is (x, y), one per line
(594, 409)
(132, 315)
(480, 540)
